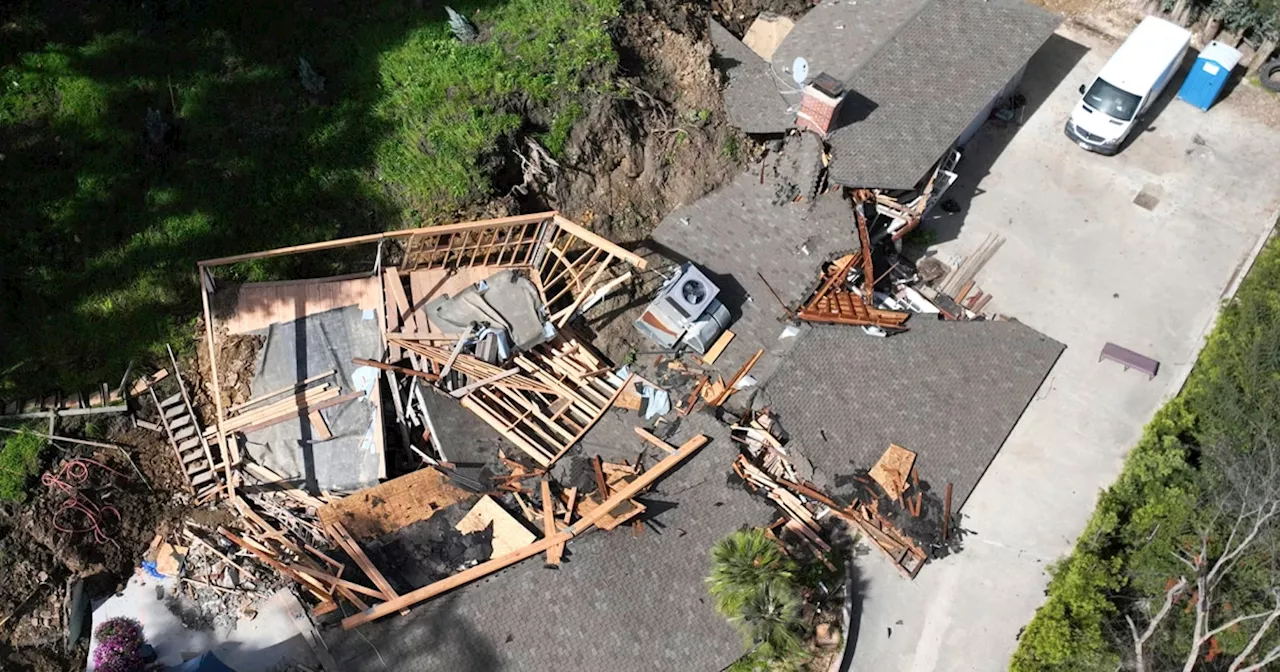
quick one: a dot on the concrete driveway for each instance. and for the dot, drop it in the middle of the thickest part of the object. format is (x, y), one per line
(1083, 264)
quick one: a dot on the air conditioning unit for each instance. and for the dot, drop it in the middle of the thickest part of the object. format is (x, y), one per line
(686, 300)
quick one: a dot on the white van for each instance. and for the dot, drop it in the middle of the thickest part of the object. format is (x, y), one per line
(1127, 85)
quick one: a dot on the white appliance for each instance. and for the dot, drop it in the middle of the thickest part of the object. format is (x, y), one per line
(685, 309)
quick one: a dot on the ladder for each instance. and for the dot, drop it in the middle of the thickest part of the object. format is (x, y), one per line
(187, 438)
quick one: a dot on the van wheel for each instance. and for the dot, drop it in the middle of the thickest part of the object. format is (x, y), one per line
(1270, 75)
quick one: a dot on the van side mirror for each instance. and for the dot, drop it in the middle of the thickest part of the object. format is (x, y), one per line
(1082, 88)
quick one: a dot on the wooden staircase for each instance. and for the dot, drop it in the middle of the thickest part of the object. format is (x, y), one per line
(187, 437)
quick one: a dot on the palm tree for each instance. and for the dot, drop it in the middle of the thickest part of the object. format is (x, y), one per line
(771, 620)
(741, 562)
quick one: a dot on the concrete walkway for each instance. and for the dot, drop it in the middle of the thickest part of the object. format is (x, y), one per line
(1085, 265)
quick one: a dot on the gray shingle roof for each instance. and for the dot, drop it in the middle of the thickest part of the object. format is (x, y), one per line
(950, 391)
(618, 602)
(840, 37)
(754, 99)
(926, 85)
(918, 72)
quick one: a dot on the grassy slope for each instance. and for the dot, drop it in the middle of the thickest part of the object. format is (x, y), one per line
(98, 241)
(1127, 551)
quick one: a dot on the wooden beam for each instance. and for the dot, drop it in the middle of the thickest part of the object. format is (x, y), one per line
(651, 438)
(946, 514)
(395, 369)
(549, 524)
(349, 544)
(337, 582)
(230, 453)
(484, 569)
(729, 387)
(602, 243)
(375, 237)
(289, 388)
(466, 389)
(717, 348)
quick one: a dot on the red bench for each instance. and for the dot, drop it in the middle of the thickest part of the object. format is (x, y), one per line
(1130, 359)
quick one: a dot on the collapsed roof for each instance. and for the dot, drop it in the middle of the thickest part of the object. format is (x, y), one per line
(917, 72)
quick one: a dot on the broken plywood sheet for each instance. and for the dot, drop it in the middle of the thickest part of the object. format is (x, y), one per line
(893, 468)
(766, 33)
(389, 506)
(259, 305)
(508, 534)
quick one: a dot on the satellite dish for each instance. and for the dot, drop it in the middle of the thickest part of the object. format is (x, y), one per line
(800, 70)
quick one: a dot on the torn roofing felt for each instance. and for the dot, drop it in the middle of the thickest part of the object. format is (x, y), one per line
(917, 72)
(949, 391)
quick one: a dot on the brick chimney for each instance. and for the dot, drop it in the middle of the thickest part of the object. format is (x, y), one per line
(820, 104)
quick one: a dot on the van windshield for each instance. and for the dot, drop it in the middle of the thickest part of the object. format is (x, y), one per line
(1112, 101)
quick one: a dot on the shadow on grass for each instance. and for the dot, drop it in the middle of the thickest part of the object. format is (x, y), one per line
(100, 230)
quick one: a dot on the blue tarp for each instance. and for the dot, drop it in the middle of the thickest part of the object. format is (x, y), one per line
(1209, 75)
(207, 662)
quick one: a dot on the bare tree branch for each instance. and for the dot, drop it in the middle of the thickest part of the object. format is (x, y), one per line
(1140, 641)
(1257, 637)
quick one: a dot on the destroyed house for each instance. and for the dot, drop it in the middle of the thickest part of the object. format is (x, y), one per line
(893, 86)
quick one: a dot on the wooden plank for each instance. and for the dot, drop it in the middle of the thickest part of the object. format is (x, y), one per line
(466, 389)
(549, 523)
(570, 500)
(299, 413)
(375, 237)
(717, 348)
(395, 369)
(484, 569)
(607, 245)
(394, 288)
(729, 387)
(946, 514)
(602, 485)
(319, 428)
(274, 481)
(336, 582)
(964, 291)
(288, 388)
(348, 544)
(651, 438)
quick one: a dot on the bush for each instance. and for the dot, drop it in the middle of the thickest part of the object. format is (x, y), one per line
(19, 461)
(1127, 552)
(119, 646)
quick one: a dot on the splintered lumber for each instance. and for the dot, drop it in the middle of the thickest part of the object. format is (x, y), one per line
(731, 386)
(651, 438)
(583, 524)
(509, 534)
(474, 367)
(395, 369)
(339, 534)
(892, 470)
(549, 523)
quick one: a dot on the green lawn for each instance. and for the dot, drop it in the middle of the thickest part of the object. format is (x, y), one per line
(98, 237)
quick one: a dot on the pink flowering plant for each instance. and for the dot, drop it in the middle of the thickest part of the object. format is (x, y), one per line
(119, 646)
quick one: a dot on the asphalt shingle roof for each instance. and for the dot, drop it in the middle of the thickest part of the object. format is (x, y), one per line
(950, 391)
(917, 72)
(618, 602)
(920, 90)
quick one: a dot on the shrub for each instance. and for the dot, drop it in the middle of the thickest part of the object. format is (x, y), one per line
(755, 586)
(119, 646)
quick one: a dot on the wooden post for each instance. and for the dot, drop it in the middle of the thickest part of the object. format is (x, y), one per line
(946, 514)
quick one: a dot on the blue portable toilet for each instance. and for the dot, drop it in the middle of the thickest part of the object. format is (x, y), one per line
(1209, 75)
